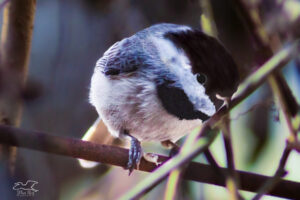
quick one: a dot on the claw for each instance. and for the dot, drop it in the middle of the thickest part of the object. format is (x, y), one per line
(151, 157)
(225, 99)
(135, 154)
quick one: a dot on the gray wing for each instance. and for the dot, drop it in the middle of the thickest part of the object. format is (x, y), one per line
(125, 56)
(135, 52)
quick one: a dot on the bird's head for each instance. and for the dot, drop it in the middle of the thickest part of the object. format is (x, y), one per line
(211, 63)
(196, 68)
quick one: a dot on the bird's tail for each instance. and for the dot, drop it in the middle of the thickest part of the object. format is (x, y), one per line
(97, 133)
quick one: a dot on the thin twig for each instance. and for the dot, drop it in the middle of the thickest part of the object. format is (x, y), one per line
(295, 146)
(232, 180)
(172, 184)
(211, 160)
(255, 79)
(262, 103)
(262, 40)
(283, 105)
(280, 172)
(278, 85)
(177, 161)
(175, 175)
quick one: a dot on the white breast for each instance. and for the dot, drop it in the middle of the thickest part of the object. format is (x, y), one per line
(131, 103)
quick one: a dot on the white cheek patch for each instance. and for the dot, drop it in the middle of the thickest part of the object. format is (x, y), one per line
(170, 54)
(167, 51)
(202, 102)
(187, 66)
(181, 68)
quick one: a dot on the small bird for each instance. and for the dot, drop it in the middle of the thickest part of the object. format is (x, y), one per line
(160, 84)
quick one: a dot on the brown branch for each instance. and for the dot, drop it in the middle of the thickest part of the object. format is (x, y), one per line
(213, 163)
(118, 156)
(18, 17)
(295, 146)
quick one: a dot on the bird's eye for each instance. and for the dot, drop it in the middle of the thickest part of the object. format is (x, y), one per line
(201, 78)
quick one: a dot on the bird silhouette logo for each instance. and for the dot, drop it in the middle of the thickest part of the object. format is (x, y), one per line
(29, 185)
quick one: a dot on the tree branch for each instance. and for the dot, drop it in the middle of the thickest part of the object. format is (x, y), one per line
(118, 156)
(232, 181)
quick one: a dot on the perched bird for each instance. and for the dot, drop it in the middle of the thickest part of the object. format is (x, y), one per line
(160, 84)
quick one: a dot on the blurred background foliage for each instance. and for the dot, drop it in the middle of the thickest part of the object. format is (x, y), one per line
(70, 35)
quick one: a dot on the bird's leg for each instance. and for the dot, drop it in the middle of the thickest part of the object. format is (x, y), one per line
(135, 152)
(226, 100)
(171, 145)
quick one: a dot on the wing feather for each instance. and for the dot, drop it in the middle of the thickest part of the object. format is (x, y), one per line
(125, 56)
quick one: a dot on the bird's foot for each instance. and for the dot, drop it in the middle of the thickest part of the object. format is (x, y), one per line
(226, 100)
(135, 154)
(151, 157)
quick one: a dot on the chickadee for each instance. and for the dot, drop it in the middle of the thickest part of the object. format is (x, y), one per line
(160, 84)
